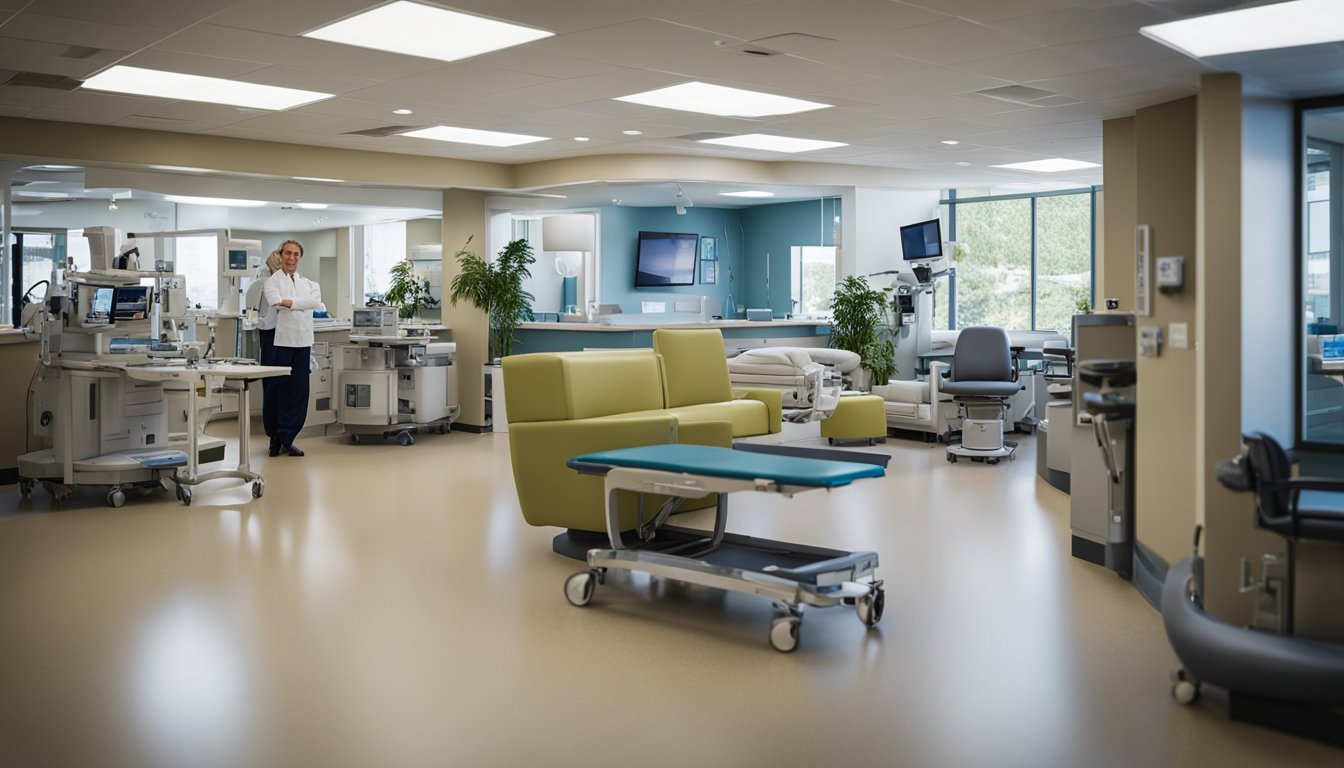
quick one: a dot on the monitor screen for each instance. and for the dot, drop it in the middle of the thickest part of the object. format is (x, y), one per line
(666, 258)
(102, 301)
(922, 241)
(130, 302)
(366, 318)
(237, 260)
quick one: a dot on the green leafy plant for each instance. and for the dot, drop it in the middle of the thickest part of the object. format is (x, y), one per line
(496, 287)
(857, 315)
(409, 292)
(1084, 306)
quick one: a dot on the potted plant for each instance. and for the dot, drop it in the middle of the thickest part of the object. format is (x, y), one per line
(408, 292)
(857, 315)
(496, 287)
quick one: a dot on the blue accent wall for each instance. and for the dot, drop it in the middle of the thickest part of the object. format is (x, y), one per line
(620, 239)
(771, 230)
(745, 237)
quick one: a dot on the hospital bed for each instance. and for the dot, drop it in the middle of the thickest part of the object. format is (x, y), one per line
(792, 575)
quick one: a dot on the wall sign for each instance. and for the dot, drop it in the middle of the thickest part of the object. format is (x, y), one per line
(1143, 287)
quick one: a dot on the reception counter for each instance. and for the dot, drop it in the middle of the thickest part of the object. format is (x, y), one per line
(569, 337)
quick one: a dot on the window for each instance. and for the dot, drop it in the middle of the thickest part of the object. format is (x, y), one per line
(1029, 260)
(197, 260)
(813, 279)
(384, 246)
(1320, 399)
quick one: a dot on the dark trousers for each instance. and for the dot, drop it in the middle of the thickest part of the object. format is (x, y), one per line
(287, 396)
(267, 337)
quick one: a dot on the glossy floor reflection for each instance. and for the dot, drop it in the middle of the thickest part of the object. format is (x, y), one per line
(387, 606)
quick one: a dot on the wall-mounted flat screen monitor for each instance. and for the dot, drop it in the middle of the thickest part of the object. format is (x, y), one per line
(131, 302)
(666, 258)
(922, 241)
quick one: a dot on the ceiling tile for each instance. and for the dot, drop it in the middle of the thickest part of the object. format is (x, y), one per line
(530, 60)
(1029, 65)
(776, 74)
(31, 26)
(864, 60)
(1072, 25)
(159, 15)
(991, 10)
(640, 43)
(189, 64)
(1120, 50)
(767, 18)
(947, 42)
(307, 79)
(72, 116)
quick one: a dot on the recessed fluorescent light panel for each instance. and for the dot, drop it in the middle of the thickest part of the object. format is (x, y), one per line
(312, 206)
(317, 178)
(227, 202)
(717, 100)
(1053, 165)
(473, 136)
(1282, 25)
(422, 30)
(773, 143)
(211, 90)
(748, 193)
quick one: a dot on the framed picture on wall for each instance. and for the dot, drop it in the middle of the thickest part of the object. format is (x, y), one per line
(709, 260)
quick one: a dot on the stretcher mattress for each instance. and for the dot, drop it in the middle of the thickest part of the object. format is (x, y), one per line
(712, 461)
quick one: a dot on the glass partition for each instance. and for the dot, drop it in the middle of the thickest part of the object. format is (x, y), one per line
(1321, 277)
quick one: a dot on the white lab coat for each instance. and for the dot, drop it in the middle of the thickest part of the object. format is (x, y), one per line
(293, 326)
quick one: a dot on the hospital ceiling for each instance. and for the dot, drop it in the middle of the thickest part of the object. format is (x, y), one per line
(904, 78)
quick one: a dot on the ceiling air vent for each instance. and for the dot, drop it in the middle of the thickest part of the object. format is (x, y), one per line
(387, 130)
(1027, 96)
(80, 52)
(41, 80)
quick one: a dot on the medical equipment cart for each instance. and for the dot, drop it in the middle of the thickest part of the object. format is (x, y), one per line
(792, 575)
(394, 386)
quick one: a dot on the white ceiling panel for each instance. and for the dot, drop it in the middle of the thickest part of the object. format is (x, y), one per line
(72, 116)
(1099, 84)
(190, 64)
(1181, 71)
(17, 110)
(947, 42)
(51, 59)
(1030, 65)
(641, 43)
(226, 42)
(307, 122)
(361, 62)
(864, 60)
(847, 20)
(31, 26)
(547, 97)
(306, 79)
(146, 14)
(933, 84)
(530, 60)
(1072, 25)
(991, 10)
(776, 74)
(97, 101)
(196, 111)
(619, 82)
(283, 18)
(1120, 50)
(447, 82)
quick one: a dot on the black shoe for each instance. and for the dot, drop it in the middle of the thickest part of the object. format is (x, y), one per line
(275, 450)
(293, 450)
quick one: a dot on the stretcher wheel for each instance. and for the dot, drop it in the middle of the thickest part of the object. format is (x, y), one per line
(579, 588)
(258, 488)
(784, 633)
(354, 439)
(25, 487)
(952, 458)
(115, 498)
(405, 438)
(991, 461)
(870, 607)
(184, 494)
(1184, 689)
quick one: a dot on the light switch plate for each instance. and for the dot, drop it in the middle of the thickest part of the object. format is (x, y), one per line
(1150, 340)
(1179, 333)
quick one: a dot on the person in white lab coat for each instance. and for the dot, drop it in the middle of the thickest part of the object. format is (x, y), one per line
(294, 299)
(264, 322)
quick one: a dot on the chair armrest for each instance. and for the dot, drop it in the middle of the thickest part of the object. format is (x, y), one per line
(774, 404)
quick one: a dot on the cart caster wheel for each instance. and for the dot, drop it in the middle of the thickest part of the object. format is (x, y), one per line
(25, 488)
(258, 488)
(354, 439)
(952, 458)
(116, 498)
(1184, 689)
(1012, 457)
(405, 438)
(579, 588)
(784, 633)
(871, 606)
(991, 461)
(184, 495)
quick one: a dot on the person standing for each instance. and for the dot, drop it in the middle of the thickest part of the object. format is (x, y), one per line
(264, 322)
(294, 299)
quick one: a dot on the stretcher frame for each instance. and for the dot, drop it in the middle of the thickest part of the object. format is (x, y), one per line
(822, 578)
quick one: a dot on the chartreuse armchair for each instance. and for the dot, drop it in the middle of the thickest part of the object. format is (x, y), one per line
(563, 404)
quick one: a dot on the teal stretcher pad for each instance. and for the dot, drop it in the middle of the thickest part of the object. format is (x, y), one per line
(710, 461)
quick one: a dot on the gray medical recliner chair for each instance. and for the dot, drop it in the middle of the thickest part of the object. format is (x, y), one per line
(982, 378)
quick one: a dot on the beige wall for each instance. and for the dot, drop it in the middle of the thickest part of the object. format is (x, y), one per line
(1166, 472)
(1115, 258)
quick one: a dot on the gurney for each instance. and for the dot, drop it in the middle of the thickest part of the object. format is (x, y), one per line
(792, 575)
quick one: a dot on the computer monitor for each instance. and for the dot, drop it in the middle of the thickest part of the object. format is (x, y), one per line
(131, 302)
(922, 241)
(373, 321)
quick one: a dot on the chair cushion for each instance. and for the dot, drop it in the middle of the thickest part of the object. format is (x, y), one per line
(903, 391)
(695, 366)
(982, 388)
